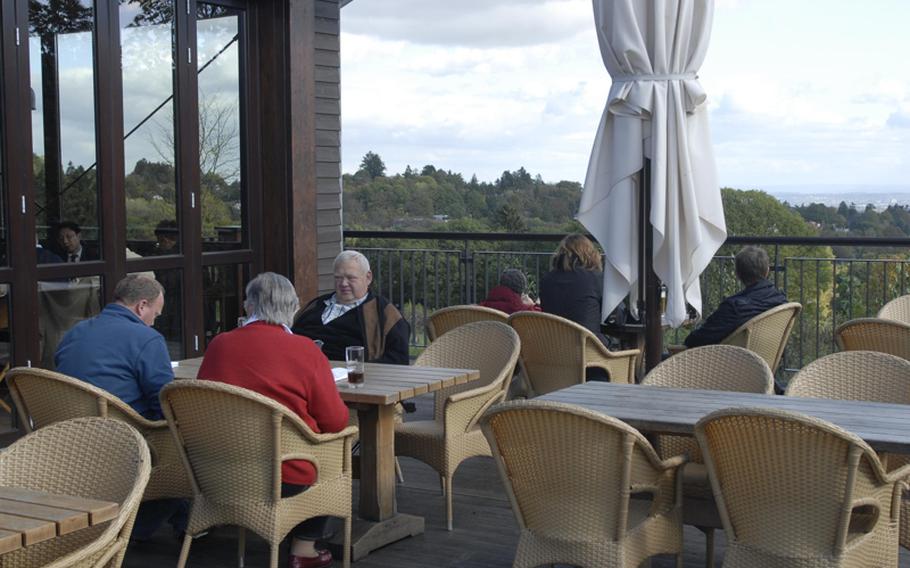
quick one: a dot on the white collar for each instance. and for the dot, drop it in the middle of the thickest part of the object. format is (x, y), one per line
(253, 319)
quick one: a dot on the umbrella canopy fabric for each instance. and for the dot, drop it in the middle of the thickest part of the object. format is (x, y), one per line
(656, 109)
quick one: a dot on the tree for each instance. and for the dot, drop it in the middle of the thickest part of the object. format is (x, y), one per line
(372, 164)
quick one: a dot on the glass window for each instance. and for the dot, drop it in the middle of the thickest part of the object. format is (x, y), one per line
(63, 130)
(61, 305)
(223, 297)
(3, 225)
(147, 60)
(170, 322)
(220, 126)
(6, 328)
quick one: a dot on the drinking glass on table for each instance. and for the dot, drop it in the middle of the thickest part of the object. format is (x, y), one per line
(353, 358)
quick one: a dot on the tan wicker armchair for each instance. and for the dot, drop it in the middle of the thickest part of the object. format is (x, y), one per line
(897, 309)
(873, 334)
(45, 397)
(94, 458)
(449, 318)
(861, 375)
(767, 333)
(232, 441)
(453, 435)
(797, 492)
(555, 352)
(711, 367)
(576, 479)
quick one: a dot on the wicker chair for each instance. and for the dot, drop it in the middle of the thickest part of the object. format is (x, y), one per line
(712, 367)
(45, 397)
(555, 352)
(767, 333)
(797, 492)
(873, 334)
(449, 318)
(453, 435)
(94, 458)
(861, 375)
(576, 479)
(232, 441)
(897, 309)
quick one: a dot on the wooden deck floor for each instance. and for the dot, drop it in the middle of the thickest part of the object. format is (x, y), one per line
(485, 532)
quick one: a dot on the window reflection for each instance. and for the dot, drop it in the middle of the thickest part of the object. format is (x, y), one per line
(63, 122)
(61, 305)
(220, 126)
(170, 322)
(147, 43)
(223, 297)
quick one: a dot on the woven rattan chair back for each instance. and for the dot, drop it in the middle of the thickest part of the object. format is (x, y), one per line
(796, 491)
(711, 367)
(767, 333)
(46, 397)
(491, 347)
(233, 442)
(897, 309)
(94, 458)
(556, 352)
(570, 474)
(854, 375)
(873, 334)
(449, 318)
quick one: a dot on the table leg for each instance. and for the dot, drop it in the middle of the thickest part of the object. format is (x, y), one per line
(379, 522)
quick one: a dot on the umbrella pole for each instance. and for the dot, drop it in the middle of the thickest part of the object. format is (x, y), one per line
(648, 284)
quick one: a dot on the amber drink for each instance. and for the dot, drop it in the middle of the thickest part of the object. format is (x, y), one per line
(354, 358)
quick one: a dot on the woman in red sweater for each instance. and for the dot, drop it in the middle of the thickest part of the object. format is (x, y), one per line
(264, 356)
(510, 296)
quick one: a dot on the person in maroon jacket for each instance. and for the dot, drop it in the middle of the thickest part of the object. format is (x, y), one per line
(264, 356)
(510, 296)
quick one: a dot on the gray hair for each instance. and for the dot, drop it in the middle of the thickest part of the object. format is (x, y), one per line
(271, 298)
(514, 279)
(752, 264)
(135, 288)
(347, 256)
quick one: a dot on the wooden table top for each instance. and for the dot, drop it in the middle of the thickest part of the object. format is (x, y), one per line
(28, 517)
(885, 427)
(384, 384)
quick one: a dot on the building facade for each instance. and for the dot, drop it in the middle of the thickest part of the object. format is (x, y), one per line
(199, 141)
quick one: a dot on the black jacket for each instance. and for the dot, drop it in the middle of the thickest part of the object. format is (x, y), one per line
(734, 311)
(575, 295)
(375, 324)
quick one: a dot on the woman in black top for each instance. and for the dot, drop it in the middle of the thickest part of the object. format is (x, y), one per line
(573, 288)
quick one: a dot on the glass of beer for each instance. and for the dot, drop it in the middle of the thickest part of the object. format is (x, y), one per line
(353, 358)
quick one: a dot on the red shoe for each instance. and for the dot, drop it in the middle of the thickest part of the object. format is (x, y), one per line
(323, 560)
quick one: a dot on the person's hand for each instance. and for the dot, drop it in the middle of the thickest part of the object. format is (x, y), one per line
(526, 300)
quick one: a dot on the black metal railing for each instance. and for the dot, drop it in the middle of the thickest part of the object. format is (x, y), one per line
(835, 279)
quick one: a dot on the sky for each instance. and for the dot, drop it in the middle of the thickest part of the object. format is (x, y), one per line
(801, 93)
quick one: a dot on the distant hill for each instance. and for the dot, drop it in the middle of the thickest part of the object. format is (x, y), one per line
(880, 196)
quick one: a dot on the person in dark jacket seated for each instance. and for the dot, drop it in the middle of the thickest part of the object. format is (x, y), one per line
(510, 296)
(352, 315)
(759, 295)
(573, 288)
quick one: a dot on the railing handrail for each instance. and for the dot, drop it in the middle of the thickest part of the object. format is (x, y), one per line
(555, 237)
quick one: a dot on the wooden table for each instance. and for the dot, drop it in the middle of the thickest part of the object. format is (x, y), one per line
(380, 523)
(29, 517)
(885, 427)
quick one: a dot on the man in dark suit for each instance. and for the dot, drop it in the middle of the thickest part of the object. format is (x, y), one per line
(69, 238)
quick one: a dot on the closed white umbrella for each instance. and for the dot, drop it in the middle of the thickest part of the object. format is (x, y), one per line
(656, 109)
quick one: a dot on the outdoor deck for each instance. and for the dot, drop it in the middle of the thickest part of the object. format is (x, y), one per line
(485, 532)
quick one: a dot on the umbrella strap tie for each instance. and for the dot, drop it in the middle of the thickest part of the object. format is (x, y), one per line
(646, 77)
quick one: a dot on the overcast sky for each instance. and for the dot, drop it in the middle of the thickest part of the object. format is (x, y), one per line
(801, 92)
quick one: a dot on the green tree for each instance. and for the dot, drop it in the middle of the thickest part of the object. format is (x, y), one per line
(373, 165)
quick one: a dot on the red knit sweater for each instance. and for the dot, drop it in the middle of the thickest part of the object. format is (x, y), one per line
(287, 368)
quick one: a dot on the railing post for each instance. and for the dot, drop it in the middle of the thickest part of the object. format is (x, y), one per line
(467, 259)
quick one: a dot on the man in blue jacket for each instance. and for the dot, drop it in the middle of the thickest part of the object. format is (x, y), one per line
(118, 350)
(759, 295)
